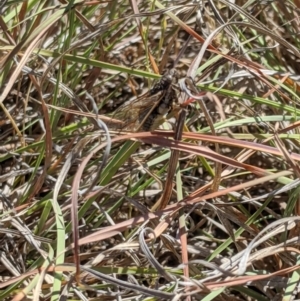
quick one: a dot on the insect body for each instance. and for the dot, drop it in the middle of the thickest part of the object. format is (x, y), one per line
(147, 112)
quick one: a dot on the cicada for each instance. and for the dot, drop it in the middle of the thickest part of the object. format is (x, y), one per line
(147, 112)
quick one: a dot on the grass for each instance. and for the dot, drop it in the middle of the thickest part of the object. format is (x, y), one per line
(94, 213)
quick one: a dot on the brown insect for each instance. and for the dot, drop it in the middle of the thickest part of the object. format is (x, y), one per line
(147, 112)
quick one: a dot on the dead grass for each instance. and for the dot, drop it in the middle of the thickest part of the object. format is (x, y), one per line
(82, 214)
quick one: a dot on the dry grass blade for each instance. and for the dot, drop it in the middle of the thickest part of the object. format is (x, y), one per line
(48, 142)
(146, 291)
(166, 195)
(151, 258)
(34, 38)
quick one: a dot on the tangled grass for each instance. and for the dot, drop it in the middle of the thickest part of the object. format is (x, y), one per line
(204, 208)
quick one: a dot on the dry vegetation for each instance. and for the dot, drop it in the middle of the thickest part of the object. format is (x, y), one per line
(96, 213)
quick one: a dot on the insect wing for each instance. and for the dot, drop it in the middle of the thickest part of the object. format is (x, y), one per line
(133, 114)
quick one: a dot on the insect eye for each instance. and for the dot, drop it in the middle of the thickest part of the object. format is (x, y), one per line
(169, 78)
(173, 72)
